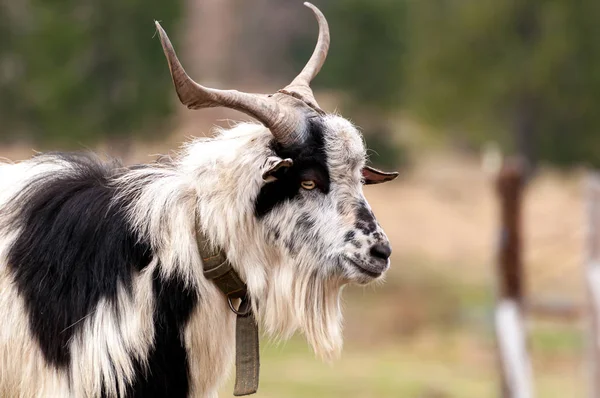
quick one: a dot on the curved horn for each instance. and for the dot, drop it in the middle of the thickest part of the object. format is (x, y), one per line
(301, 84)
(280, 117)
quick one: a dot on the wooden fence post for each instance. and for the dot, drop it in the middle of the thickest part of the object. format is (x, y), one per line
(514, 362)
(592, 279)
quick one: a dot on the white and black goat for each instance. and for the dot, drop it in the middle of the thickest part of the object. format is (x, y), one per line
(101, 285)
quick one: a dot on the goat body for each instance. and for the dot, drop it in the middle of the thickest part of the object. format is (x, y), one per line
(102, 291)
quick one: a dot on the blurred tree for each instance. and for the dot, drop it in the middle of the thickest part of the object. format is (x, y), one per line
(368, 51)
(75, 71)
(365, 62)
(524, 72)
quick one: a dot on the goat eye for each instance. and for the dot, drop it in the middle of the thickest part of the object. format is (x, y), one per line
(308, 184)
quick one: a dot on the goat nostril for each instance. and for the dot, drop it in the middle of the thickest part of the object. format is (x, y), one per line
(381, 250)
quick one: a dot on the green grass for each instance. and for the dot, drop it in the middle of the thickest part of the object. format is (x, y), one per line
(381, 371)
(454, 365)
(426, 333)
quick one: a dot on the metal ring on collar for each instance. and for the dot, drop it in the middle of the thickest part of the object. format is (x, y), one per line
(237, 311)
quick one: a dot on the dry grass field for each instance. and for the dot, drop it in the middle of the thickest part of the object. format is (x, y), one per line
(427, 331)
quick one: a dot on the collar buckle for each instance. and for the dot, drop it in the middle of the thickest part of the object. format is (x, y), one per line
(244, 309)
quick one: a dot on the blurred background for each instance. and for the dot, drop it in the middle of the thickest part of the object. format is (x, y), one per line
(440, 88)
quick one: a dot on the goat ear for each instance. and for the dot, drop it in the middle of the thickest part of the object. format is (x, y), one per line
(274, 167)
(374, 176)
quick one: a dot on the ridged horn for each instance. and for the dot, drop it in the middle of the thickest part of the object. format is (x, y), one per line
(301, 84)
(284, 113)
(281, 116)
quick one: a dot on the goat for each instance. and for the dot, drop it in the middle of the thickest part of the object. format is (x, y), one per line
(102, 291)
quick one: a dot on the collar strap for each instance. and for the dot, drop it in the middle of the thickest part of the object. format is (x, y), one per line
(247, 361)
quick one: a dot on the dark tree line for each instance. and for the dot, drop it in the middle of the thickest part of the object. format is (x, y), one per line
(525, 73)
(76, 71)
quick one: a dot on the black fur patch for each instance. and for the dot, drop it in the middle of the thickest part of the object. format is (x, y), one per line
(365, 220)
(310, 163)
(73, 249)
(349, 237)
(168, 372)
(304, 224)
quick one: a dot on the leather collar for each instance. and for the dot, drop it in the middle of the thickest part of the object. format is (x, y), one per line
(219, 270)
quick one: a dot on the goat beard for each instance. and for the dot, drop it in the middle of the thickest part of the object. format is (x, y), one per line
(307, 301)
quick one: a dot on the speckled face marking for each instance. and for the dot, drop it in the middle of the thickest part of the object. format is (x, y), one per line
(365, 220)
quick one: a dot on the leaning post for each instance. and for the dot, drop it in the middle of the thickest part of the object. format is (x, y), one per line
(515, 366)
(592, 278)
